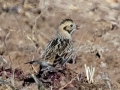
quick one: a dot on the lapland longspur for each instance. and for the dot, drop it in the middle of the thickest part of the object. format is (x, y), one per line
(58, 48)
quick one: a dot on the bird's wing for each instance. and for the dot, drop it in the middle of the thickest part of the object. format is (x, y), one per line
(57, 47)
(50, 49)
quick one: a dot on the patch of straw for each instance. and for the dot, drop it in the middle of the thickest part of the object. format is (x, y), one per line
(90, 73)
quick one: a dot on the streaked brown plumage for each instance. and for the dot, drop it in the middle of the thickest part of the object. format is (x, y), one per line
(62, 44)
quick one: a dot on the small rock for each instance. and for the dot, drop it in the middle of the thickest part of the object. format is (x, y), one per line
(103, 64)
(72, 7)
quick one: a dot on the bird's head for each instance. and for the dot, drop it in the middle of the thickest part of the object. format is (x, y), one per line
(66, 28)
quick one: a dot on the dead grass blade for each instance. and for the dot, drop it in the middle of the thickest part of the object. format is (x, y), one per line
(90, 71)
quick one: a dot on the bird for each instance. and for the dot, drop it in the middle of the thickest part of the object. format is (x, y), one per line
(61, 45)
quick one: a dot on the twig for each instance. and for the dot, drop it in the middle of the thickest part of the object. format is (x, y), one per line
(12, 78)
(34, 29)
(78, 46)
(2, 59)
(25, 3)
(5, 39)
(86, 69)
(106, 79)
(33, 66)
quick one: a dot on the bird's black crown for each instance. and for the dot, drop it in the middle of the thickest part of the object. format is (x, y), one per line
(65, 20)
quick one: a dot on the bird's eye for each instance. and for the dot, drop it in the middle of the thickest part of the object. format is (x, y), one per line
(71, 25)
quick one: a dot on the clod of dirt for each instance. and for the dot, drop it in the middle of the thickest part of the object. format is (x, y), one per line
(103, 27)
(118, 80)
(109, 60)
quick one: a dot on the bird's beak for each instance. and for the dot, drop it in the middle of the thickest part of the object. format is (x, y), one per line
(77, 27)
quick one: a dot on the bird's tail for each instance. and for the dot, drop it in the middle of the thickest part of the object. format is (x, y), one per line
(32, 62)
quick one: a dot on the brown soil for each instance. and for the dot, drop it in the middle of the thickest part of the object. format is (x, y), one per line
(26, 26)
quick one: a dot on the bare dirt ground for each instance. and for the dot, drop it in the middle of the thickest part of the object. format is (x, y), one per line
(26, 26)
